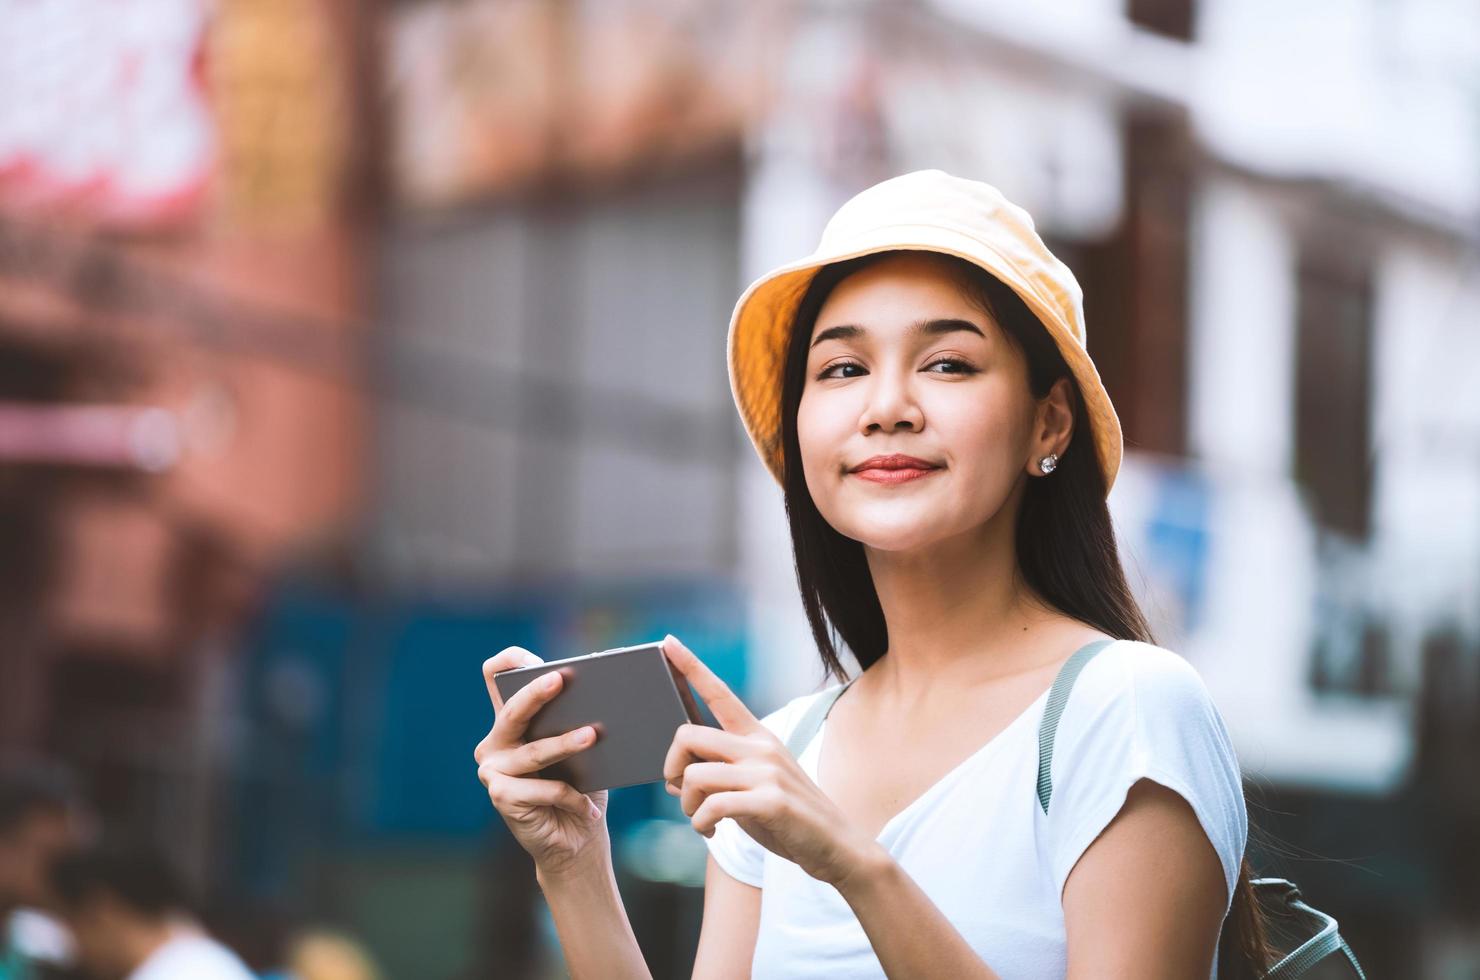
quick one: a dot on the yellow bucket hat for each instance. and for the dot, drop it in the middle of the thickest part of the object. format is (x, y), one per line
(932, 211)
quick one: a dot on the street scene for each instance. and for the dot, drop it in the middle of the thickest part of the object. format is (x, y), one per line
(345, 345)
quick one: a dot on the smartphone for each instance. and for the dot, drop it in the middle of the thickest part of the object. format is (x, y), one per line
(633, 696)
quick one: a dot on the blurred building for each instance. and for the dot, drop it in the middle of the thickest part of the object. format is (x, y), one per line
(181, 330)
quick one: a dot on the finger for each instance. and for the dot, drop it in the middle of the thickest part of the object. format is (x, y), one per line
(536, 755)
(700, 743)
(483, 748)
(703, 778)
(511, 793)
(506, 659)
(762, 802)
(728, 709)
(510, 724)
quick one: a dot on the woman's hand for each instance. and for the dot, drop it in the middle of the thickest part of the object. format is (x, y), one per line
(742, 770)
(557, 825)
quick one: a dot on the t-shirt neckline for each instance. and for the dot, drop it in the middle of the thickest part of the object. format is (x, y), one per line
(951, 775)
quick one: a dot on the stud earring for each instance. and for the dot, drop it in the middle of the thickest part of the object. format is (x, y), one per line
(1048, 463)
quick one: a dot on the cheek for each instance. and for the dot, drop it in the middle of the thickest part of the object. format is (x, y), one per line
(984, 432)
(821, 429)
(974, 440)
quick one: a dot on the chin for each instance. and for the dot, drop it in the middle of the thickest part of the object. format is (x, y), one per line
(889, 533)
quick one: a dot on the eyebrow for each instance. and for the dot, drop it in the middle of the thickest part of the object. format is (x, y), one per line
(931, 328)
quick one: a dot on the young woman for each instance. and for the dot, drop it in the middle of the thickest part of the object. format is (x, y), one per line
(920, 389)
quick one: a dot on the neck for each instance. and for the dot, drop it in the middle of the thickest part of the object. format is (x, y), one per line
(957, 614)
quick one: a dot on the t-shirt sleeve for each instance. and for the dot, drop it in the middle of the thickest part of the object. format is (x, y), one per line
(1141, 711)
(735, 851)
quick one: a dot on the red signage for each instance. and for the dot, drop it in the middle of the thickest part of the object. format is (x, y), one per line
(104, 116)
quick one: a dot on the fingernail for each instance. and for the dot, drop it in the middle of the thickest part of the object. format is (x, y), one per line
(585, 735)
(595, 812)
(550, 680)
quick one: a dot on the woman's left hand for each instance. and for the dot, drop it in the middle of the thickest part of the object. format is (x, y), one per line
(742, 770)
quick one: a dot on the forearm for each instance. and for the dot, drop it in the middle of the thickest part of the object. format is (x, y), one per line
(595, 934)
(909, 934)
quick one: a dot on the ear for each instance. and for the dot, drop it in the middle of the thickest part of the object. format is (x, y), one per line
(1053, 424)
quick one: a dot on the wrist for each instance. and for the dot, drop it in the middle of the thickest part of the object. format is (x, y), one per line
(581, 871)
(868, 867)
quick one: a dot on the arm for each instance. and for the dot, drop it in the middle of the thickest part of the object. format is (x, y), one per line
(910, 935)
(732, 915)
(1146, 899)
(595, 934)
(1147, 818)
(597, 937)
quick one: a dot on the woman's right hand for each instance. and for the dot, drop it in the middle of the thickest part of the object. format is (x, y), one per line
(557, 825)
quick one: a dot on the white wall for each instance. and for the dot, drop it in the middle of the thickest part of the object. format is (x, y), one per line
(1427, 430)
(1380, 94)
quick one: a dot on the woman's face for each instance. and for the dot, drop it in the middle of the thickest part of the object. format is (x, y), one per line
(900, 361)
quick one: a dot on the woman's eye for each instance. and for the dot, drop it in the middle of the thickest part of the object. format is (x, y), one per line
(961, 366)
(828, 371)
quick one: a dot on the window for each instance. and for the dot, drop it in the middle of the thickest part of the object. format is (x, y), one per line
(1333, 454)
(1172, 18)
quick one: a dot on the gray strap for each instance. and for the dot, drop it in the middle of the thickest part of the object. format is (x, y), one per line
(1058, 696)
(1313, 950)
(803, 731)
(1283, 894)
(1351, 959)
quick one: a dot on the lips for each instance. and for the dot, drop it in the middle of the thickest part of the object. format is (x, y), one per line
(894, 461)
(895, 468)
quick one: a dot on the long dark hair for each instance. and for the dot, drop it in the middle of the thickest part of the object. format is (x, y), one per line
(1066, 549)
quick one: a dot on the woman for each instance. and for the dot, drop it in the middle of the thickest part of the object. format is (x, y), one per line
(920, 389)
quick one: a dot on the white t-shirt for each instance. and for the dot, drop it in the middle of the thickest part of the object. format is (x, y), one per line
(191, 955)
(977, 841)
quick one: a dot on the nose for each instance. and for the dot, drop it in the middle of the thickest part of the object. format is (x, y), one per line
(891, 403)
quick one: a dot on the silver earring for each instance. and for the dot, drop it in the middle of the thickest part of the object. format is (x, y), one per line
(1048, 462)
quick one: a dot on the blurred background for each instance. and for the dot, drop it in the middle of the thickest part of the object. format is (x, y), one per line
(343, 344)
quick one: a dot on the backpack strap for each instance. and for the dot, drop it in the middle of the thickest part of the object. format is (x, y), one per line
(1282, 894)
(802, 731)
(1058, 696)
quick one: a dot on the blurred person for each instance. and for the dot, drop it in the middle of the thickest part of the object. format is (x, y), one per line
(322, 954)
(41, 815)
(128, 911)
(919, 387)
